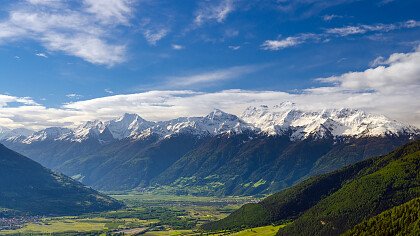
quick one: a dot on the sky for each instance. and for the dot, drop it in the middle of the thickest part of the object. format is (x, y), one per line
(64, 62)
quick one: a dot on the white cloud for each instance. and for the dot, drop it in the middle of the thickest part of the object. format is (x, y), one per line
(110, 11)
(330, 17)
(41, 55)
(390, 89)
(213, 12)
(377, 62)
(83, 32)
(74, 96)
(177, 47)
(234, 47)
(213, 76)
(281, 44)
(400, 73)
(362, 29)
(50, 3)
(109, 91)
(275, 45)
(153, 36)
(292, 41)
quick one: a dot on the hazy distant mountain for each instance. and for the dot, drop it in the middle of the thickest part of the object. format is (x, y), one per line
(264, 150)
(27, 187)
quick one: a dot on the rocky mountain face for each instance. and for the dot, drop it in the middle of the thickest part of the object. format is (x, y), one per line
(263, 150)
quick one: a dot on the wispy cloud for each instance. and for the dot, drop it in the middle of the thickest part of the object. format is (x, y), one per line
(74, 96)
(109, 91)
(177, 46)
(83, 32)
(362, 29)
(306, 8)
(234, 47)
(214, 76)
(330, 17)
(110, 11)
(210, 11)
(153, 36)
(291, 41)
(275, 45)
(41, 55)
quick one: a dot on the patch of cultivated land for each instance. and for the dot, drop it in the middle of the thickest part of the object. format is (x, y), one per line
(150, 213)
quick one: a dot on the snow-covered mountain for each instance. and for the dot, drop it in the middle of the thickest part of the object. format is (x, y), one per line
(14, 134)
(345, 122)
(283, 119)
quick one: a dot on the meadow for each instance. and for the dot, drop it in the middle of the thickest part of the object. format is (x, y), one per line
(146, 214)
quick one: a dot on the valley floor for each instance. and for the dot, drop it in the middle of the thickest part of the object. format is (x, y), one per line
(146, 214)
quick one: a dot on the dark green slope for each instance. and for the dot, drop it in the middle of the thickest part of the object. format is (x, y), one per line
(118, 165)
(27, 187)
(388, 182)
(289, 203)
(306, 196)
(402, 220)
(241, 164)
(249, 165)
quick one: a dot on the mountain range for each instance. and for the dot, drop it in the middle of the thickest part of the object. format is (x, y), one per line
(266, 149)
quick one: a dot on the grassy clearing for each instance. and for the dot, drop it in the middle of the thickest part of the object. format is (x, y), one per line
(72, 224)
(261, 231)
(170, 233)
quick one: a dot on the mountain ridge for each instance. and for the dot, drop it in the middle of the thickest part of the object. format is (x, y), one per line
(283, 119)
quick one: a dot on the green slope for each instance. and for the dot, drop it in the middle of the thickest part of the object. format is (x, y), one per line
(372, 185)
(27, 187)
(388, 182)
(290, 203)
(401, 220)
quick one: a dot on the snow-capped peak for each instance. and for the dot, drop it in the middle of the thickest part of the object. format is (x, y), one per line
(283, 119)
(51, 133)
(127, 125)
(14, 134)
(323, 123)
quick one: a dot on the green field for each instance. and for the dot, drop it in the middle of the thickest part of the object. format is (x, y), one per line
(262, 231)
(156, 214)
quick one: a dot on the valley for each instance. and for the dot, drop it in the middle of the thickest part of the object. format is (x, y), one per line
(150, 214)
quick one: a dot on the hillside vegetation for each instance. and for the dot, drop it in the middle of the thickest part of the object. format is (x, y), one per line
(333, 203)
(29, 188)
(400, 221)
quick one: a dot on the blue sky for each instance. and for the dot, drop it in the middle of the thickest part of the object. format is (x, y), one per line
(64, 60)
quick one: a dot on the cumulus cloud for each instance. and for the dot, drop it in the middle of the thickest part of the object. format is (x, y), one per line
(400, 73)
(390, 89)
(213, 12)
(83, 32)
